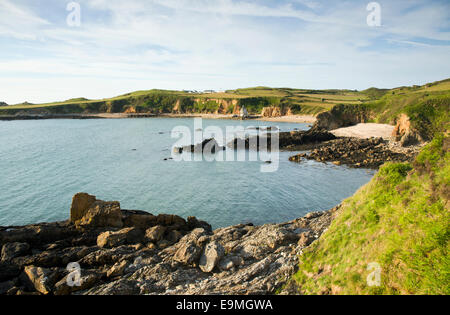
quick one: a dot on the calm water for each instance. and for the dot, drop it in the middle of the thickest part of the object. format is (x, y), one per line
(44, 163)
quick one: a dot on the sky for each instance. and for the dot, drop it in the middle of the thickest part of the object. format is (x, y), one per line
(123, 46)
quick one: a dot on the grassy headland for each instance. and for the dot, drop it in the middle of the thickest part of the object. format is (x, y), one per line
(164, 101)
(400, 220)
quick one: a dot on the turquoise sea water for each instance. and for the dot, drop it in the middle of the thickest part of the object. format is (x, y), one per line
(44, 163)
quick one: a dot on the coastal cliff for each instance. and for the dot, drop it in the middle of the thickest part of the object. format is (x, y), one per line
(397, 226)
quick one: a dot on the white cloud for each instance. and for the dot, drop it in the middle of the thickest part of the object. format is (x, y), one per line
(221, 44)
(19, 22)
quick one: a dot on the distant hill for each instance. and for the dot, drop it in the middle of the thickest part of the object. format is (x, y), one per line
(3, 104)
(79, 99)
(375, 93)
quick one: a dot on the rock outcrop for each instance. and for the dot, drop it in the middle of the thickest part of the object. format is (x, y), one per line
(271, 112)
(405, 134)
(342, 116)
(205, 147)
(294, 140)
(354, 152)
(162, 254)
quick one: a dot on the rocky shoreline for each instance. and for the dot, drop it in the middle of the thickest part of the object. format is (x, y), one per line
(323, 146)
(358, 153)
(134, 252)
(105, 250)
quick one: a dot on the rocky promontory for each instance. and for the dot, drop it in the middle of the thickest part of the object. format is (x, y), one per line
(103, 249)
(206, 146)
(293, 140)
(358, 153)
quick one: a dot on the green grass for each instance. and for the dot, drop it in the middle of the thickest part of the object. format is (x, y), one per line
(400, 220)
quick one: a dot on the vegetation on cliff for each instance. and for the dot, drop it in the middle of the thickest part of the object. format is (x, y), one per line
(427, 107)
(400, 220)
(293, 101)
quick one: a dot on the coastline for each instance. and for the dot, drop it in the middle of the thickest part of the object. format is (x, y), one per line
(290, 119)
(131, 252)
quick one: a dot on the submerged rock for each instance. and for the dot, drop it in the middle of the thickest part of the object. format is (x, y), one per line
(286, 140)
(206, 146)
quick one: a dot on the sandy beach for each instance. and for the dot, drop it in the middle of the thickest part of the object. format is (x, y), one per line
(365, 131)
(290, 119)
(287, 119)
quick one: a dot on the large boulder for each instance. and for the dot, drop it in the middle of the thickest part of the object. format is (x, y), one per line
(43, 279)
(189, 248)
(81, 203)
(102, 214)
(111, 239)
(188, 253)
(139, 219)
(155, 234)
(211, 256)
(13, 250)
(88, 279)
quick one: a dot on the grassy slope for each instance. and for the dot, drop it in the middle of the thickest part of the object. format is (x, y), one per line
(400, 220)
(427, 106)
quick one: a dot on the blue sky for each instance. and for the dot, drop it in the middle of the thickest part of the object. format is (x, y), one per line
(123, 46)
